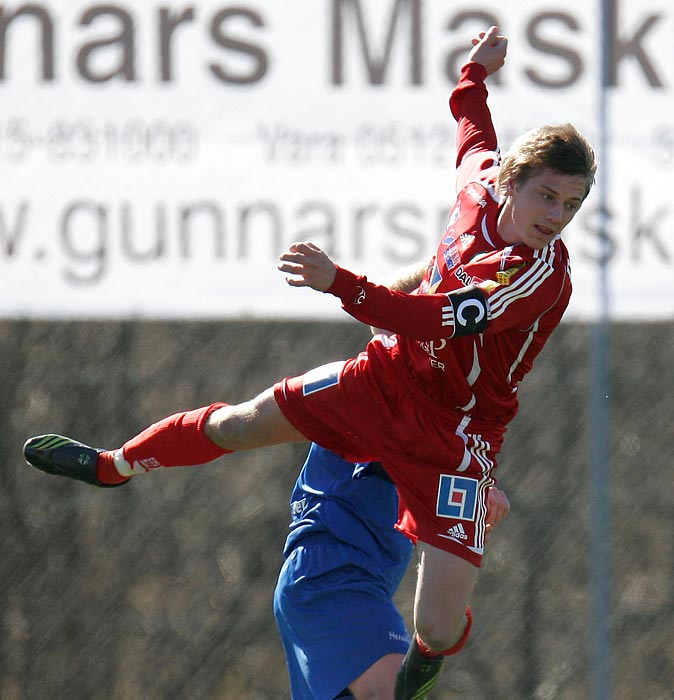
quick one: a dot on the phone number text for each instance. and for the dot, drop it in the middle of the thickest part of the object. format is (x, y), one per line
(87, 141)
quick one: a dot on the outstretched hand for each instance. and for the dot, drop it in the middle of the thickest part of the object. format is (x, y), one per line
(489, 49)
(498, 507)
(308, 266)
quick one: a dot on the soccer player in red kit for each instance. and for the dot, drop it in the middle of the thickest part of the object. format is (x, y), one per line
(431, 403)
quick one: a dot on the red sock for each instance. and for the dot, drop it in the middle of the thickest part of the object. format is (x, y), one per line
(176, 441)
(105, 469)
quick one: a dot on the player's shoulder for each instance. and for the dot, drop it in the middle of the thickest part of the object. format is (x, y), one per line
(478, 176)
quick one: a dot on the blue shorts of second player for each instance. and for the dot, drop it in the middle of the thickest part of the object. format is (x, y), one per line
(335, 616)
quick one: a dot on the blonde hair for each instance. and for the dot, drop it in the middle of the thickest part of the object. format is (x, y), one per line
(560, 148)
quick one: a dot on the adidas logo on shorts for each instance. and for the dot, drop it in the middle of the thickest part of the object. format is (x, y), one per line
(458, 532)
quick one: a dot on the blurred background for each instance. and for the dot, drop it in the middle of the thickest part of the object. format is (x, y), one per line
(157, 158)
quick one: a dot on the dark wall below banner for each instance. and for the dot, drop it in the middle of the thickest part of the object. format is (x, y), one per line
(163, 589)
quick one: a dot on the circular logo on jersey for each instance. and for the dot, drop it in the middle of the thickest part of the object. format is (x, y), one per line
(470, 312)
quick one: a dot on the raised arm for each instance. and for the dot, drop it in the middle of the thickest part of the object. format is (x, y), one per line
(476, 142)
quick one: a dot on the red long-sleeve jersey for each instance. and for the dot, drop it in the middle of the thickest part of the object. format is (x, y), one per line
(524, 292)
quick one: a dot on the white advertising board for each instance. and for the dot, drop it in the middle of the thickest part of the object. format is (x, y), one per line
(157, 157)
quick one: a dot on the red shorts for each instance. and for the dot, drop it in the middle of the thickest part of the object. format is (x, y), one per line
(368, 408)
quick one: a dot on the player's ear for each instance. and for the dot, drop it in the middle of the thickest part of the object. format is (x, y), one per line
(510, 187)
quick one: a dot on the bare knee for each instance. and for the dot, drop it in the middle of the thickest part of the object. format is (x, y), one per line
(440, 634)
(255, 423)
(226, 426)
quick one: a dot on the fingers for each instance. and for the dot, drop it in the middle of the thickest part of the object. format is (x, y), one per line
(498, 506)
(491, 37)
(299, 253)
(292, 267)
(303, 247)
(309, 265)
(489, 49)
(297, 282)
(294, 262)
(486, 36)
(503, 507)
(483, 37)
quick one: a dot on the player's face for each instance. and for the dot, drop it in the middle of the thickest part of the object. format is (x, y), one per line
(538, 209)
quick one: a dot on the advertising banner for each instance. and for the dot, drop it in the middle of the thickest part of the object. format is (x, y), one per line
(157, 157)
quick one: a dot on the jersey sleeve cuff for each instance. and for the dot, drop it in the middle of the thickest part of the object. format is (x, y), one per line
(346, 285)
(473, 72)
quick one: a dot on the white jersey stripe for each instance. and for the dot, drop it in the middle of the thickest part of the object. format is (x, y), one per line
(523, 350)
(538, 268)
(478, 451)
(485, 232)
(481, 516)
(465, 462)
(525, 286)
(476, 369)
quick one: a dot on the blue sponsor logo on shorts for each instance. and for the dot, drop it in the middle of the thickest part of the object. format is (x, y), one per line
(457, 497)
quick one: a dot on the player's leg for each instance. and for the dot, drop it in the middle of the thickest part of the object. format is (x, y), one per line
(183, 439)
(247, 426)
(378, 682)
(442, 620)
(445, 585)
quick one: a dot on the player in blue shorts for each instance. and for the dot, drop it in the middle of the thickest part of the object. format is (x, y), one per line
(342, 633)
(343, 562)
